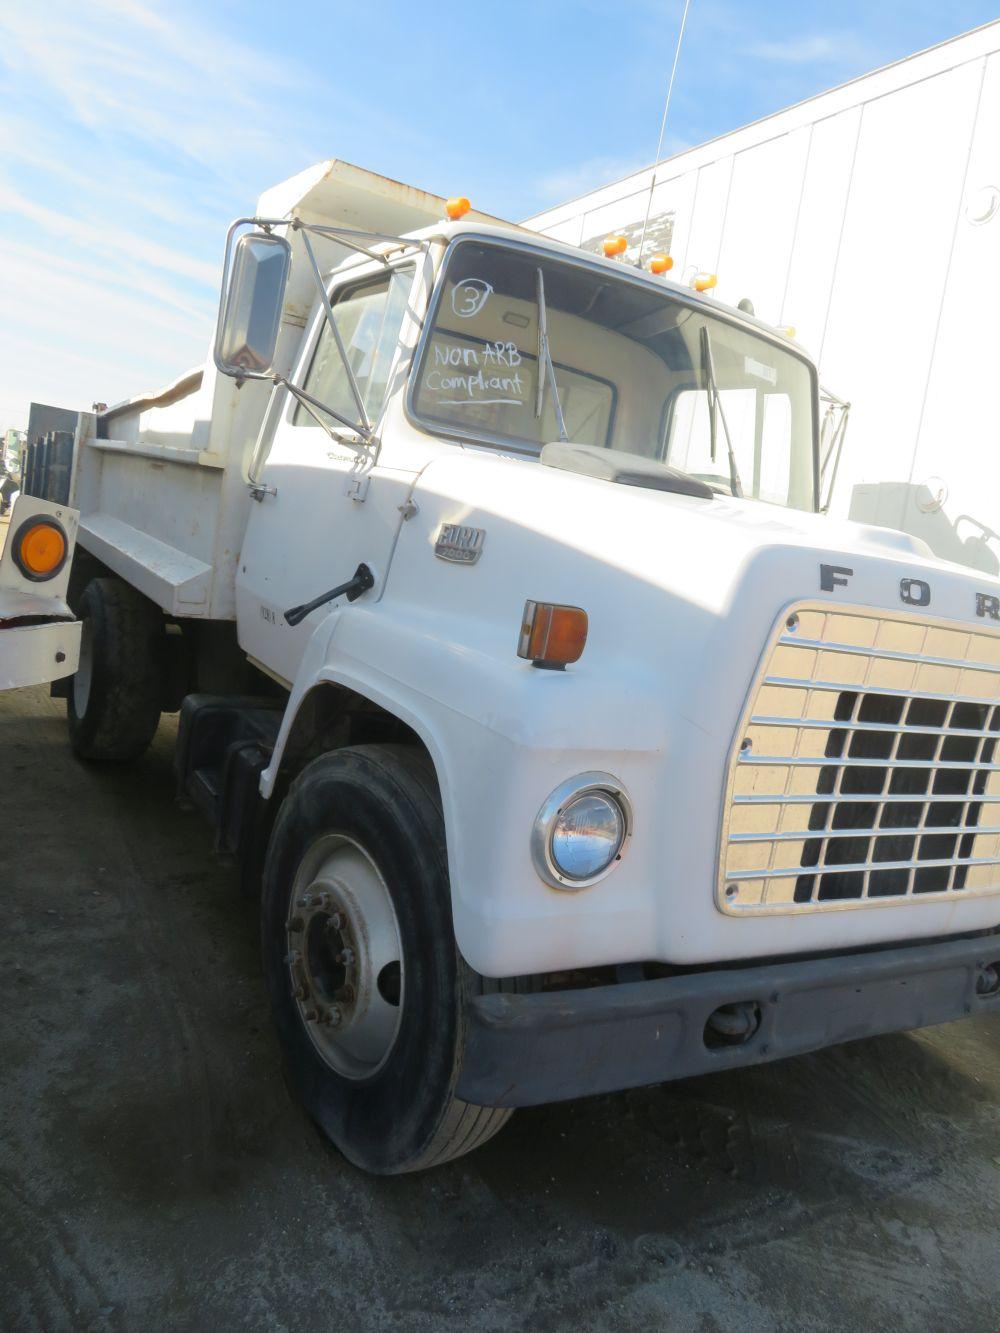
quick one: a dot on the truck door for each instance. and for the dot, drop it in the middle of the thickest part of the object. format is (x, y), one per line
(320, 514)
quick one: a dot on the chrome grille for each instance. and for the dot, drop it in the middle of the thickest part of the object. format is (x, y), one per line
(865, 770)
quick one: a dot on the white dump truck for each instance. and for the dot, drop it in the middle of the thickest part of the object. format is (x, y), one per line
(568, 747)
(39, 635)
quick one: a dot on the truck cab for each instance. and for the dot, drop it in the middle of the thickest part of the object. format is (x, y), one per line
(569, 746)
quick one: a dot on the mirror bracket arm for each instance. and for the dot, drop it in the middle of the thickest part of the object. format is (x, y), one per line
(368, 439)
(359, 402)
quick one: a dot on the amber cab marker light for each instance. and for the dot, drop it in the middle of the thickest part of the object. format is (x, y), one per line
(552, 636)
(40, 549)
(704, 282)
(615, 245)
(457, 207)
(660, 264)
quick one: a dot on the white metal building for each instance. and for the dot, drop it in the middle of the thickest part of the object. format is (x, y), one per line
(868, 219)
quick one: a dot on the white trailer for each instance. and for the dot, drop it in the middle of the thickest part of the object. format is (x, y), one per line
(567, 746)
(868, 218)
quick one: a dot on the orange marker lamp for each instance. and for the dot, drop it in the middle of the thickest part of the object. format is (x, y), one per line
(40, 549)
(615, 245)
(660, 263)
(457, 207)
(551, 635)
(704, 282)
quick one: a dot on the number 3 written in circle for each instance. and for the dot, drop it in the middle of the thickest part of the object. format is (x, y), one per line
(469, 296)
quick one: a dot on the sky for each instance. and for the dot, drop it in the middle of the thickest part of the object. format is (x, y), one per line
(132, 132)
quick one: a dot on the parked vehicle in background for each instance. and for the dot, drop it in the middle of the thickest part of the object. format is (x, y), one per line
(10, 489)
(869, 219)
(568, 746)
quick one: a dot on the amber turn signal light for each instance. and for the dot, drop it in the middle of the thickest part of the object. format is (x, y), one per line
(551, 635)
(40, 549)
(457, 207)
(660, 264)
(615, 245)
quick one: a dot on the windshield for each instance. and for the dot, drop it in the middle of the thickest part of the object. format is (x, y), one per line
(629, 366)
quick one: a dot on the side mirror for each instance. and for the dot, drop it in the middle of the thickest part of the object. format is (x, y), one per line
(256, 275)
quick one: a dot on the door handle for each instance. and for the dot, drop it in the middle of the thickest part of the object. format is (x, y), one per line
(361, 580)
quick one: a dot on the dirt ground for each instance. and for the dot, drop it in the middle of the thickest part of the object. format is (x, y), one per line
(154, 1172)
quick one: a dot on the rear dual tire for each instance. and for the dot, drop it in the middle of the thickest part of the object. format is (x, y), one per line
(113, 702)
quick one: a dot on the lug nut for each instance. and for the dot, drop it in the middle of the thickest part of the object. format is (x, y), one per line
(311, 1016)
(345, 957)
(335, 1016)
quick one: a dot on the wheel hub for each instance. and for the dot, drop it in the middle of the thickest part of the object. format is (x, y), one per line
(344, 956)
(322, 958)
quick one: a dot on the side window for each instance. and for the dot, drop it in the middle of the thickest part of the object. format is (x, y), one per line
(369, 317)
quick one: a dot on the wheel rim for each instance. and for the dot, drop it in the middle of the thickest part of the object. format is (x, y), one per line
(344, 957)
(85, 671)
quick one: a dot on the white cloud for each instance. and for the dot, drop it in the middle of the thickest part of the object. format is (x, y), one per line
(129, 136)
(808, 49)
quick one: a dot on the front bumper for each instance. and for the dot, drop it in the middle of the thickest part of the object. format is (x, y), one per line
(523, 1050)
(38, 654)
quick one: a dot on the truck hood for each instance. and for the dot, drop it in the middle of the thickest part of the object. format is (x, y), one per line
(676, 541)
(675, 587)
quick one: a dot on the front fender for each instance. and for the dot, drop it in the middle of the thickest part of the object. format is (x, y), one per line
(501, 736)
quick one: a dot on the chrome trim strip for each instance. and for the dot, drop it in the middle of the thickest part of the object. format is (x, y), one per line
(822, 724)
(820, 761)
(866, 867)
(803, 683)
(912, 831)
(886, 655)
(864, 798)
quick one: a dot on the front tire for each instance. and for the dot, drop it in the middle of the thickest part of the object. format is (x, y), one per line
(113, 703)
(368, 990)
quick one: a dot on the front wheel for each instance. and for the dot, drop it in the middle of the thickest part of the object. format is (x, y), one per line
(367, 987)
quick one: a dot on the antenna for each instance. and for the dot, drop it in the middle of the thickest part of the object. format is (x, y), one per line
(663, 126)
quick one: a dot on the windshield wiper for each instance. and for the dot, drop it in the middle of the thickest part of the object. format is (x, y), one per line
(715, 405)
(546, 371)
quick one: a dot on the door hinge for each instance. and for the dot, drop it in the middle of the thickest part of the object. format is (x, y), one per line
(357, 488)
(258, 490)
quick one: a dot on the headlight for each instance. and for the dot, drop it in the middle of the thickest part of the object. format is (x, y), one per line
(581, 831)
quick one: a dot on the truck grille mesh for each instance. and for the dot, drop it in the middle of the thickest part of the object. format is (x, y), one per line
(865, 771)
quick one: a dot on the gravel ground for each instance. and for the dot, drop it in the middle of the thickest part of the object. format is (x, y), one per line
(154, 1172)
